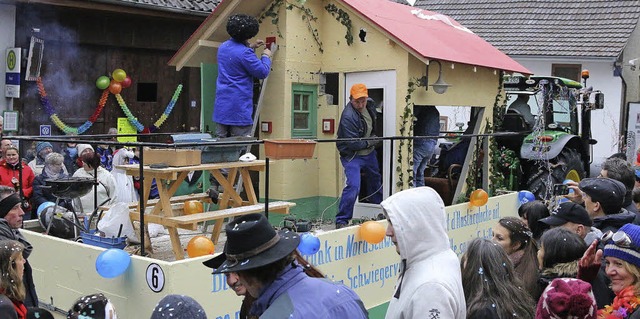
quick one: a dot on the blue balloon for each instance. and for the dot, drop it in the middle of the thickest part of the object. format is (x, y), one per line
(309, 244)
(43, 206)
(112, 262)
(525, 197)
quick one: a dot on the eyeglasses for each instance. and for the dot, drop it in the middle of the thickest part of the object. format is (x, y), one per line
(619, 238)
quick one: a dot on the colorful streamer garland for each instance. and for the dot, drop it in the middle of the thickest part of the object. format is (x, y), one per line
(155, 126)
(44, 100)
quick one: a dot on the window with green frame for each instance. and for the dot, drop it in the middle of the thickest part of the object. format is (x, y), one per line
(304, 110)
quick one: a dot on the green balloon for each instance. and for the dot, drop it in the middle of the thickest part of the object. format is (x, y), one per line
(102, 82)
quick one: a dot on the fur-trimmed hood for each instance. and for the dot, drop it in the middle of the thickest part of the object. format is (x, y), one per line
(568, 269)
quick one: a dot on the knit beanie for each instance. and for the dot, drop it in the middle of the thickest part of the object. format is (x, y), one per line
(567, 298)
(178, 307)
(42, 145)
(82, 147)
(95, 306)
(629, 254)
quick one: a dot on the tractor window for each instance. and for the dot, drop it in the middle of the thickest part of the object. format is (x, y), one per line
(561, 112)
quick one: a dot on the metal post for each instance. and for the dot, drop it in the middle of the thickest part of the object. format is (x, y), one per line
(142, 200)
(266, 188)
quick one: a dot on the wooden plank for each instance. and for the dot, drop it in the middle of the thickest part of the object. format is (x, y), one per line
(134, 169)
(155, 219)
(282, 207)
(175, 199)
(176, 246)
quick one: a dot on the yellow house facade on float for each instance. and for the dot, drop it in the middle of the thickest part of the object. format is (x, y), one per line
(324, 47)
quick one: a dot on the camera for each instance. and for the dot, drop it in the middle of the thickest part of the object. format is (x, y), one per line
(560, 189)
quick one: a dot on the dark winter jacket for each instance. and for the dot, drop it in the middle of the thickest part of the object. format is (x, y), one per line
(353, 125)
(70, 162)
(614, 221)
(6, 232)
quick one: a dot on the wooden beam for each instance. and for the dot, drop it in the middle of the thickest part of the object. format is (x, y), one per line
(209, 44)
(208, 31)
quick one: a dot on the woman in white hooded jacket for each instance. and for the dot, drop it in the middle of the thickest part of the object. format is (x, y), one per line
(430, 283)
(107, 193)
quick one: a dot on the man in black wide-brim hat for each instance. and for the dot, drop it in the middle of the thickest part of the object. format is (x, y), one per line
(264, 262)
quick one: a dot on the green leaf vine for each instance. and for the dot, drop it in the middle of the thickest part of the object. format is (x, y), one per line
(307, 16)
(342, 17)
(505, 163)
(406, 129)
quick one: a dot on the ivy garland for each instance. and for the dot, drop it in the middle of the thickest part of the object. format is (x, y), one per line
(342, 17)
(504, 162)
(406, 129)
(307, 16)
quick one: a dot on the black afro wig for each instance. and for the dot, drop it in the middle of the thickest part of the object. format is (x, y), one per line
(242, 27)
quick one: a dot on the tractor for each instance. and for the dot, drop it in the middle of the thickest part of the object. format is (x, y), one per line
(549, 119)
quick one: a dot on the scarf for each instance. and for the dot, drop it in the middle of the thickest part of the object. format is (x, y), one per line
(21, 310)
(624, 304)
(516, 257)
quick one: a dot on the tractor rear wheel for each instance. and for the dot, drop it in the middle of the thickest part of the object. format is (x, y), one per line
(567, 165)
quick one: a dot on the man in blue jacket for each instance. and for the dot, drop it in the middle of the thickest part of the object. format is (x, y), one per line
(237, 66)
(265, 265)
(358, 121)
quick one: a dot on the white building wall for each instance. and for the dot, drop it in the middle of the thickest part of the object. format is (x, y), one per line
(7, 40)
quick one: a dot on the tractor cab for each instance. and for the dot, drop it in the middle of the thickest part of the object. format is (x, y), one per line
(536, 96)
(551, 117)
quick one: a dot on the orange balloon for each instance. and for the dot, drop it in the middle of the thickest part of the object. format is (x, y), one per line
(193, 207)
(115, 87)
(200, 246)
(478, 197)
(372, 232)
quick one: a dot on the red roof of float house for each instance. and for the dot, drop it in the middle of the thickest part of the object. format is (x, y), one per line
(426, 34)
(433, 35)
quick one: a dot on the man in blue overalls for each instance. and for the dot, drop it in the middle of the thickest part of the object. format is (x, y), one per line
(357, 121)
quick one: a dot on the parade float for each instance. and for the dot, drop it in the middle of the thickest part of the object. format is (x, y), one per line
(407, 57)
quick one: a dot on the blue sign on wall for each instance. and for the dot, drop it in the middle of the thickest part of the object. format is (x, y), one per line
(45, 130)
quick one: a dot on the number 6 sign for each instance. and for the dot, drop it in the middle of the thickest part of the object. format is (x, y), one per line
(155, 277)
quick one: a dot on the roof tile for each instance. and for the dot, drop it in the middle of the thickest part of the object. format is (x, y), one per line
(595, 28)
